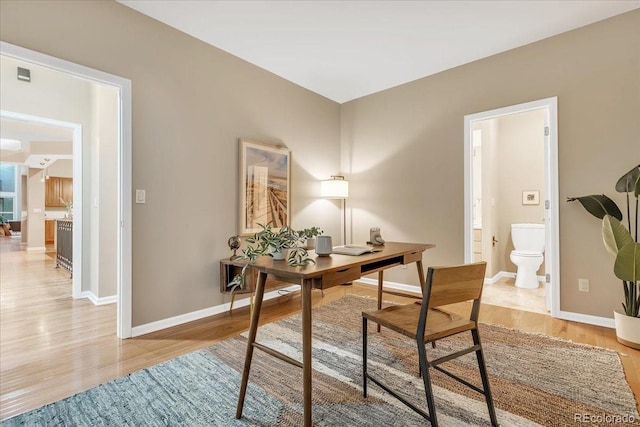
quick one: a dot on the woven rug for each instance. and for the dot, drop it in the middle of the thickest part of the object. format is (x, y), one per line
(536, 380)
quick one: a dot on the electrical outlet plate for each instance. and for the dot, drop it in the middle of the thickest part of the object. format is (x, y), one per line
(583, 285)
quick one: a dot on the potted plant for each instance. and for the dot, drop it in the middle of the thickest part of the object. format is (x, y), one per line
(272, 243)
(308, 235)
(620, 242)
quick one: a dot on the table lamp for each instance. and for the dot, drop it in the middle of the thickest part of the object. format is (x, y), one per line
(337, 188)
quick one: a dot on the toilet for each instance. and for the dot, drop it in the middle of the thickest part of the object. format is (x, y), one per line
(528, 241)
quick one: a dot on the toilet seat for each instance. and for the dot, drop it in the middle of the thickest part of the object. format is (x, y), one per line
(526, 254)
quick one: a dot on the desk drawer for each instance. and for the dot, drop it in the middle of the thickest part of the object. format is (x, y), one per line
(339, 277)
(412, 257)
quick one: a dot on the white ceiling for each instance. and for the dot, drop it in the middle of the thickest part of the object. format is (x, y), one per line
(347, 49)
(27, 132)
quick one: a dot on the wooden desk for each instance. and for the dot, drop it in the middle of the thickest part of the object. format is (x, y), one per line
(328, 271)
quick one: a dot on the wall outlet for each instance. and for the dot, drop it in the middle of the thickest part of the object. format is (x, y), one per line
(583, 285)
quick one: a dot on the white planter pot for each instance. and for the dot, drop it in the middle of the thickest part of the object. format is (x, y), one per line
(627, 329)
(279, 255)
(311, 243)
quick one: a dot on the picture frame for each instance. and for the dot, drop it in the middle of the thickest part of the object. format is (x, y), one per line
(265, 186)
(531, 197)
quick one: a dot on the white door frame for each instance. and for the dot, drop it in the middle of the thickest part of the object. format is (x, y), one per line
(123, 86)
(551, 211)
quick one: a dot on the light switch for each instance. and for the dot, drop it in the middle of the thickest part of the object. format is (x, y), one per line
(140, 196)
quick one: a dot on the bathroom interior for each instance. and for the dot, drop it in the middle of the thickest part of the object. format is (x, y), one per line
(508, 207)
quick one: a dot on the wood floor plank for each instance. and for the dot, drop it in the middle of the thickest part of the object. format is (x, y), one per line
(52, 346)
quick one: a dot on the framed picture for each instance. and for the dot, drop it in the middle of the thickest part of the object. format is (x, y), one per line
(265, 183)
(531, 197)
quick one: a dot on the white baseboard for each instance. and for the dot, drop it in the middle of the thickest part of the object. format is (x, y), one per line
(200, 314)
(564, 315)
(392, 285)
(99, 301)
(36, 249)
(498, 276)
(587, 318)
(505, 274)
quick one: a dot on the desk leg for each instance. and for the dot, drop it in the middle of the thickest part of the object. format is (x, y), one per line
(306, 350)
(421, 275)
(380, 282)
(255, 317)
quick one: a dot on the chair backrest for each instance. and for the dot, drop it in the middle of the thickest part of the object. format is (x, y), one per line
(449, 285)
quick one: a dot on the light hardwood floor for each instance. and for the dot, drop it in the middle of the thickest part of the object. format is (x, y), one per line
(52, 346)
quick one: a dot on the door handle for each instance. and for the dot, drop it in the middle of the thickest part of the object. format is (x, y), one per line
(493, 241)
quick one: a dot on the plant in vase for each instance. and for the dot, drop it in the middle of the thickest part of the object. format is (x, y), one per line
(308, 235)
(620, 242)
(273, 243)
(68, 206)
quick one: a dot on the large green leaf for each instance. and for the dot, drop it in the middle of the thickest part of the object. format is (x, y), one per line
(629, 182)
(627, 266)
(614, 235)
(599, 205)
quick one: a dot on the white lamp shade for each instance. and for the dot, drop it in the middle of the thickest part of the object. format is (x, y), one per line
(334, 188)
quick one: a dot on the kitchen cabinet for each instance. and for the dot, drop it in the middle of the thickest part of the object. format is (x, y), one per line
(49, 230)
(57, 188)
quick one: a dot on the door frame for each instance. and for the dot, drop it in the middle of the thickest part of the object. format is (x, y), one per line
(124, 316)
(551, 211)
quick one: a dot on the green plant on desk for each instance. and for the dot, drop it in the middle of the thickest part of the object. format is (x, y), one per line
(310, 233)
(267, 242)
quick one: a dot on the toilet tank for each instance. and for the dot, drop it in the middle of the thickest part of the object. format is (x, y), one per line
(528, 237)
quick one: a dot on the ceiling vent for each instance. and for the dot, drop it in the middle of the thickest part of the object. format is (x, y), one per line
(24, 74)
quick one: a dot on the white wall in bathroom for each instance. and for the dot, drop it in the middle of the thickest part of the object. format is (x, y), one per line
(520, 167)
(512, 162)
(490, 212)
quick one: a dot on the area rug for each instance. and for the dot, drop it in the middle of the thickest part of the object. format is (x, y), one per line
(536, 380)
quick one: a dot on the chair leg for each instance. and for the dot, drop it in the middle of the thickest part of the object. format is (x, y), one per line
(426, 379)
(433, 345)
(364, 356)
(485, 378)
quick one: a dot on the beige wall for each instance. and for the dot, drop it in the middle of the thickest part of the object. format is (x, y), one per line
(35, 206)
(403, 147)
(62, 168)
(191, 103)
(104, 169)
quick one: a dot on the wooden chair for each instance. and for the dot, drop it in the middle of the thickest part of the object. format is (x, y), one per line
(426, 323)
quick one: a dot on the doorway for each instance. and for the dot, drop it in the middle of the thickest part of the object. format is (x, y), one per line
(122, 220)
(38, 127)
(486, 201)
